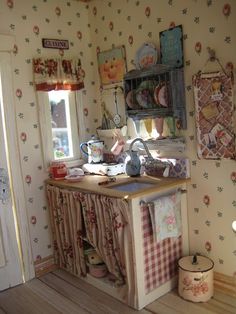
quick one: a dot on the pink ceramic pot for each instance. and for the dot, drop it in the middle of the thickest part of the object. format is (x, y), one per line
(98, 271)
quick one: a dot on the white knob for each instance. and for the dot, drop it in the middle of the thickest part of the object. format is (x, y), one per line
(234, 225)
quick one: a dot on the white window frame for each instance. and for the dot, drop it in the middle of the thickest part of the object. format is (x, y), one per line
(46, 129)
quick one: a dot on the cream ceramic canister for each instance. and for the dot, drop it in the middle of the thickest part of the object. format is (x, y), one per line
(195, 278)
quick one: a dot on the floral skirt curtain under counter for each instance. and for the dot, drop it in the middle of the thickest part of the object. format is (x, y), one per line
(107, 225)
(108, 229)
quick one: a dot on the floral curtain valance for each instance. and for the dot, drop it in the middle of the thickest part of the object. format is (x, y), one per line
(58, 74)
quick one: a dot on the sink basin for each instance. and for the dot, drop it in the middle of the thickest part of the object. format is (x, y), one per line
(134, 186)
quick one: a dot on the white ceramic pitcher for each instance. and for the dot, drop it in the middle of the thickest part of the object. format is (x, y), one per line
(94, 151)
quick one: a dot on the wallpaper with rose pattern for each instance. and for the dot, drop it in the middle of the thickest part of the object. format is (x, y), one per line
(101, 25)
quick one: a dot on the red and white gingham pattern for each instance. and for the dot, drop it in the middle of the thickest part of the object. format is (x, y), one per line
(160, 258)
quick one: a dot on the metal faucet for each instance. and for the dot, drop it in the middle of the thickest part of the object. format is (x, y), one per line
(139, 139)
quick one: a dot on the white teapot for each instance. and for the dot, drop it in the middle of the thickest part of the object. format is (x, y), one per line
(94, 151)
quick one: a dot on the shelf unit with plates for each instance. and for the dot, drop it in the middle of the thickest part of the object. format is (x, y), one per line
(156, 91)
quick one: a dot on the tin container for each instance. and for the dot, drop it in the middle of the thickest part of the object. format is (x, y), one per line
(58, 170)
(195, 278)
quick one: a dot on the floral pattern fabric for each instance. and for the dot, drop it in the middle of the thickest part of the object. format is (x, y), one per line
(58, 74)
(213, 94)
(66, 224)
(106, 224)
(165, 213)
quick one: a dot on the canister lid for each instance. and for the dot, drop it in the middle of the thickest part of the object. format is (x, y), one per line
(196, 263)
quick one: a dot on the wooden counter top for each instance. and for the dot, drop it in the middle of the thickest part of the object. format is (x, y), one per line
(90, 183)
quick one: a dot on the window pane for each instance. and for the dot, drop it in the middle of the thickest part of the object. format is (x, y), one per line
(61, 124)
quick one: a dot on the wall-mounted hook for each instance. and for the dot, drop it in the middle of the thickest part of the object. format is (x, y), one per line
(212, 54)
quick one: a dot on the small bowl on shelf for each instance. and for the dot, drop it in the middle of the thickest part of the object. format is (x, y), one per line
(98, 271)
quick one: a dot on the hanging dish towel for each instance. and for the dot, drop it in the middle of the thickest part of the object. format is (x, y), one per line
(165, 213)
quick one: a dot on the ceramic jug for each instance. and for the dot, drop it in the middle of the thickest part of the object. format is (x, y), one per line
(132, 164)
(94, 150)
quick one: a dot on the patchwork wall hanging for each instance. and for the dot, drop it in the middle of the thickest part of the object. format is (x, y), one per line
(213, 96)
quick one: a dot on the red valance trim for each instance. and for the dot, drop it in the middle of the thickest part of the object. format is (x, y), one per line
(45, 87)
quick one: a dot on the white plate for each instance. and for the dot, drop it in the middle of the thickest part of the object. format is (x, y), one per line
(146, 56)
(74, 178)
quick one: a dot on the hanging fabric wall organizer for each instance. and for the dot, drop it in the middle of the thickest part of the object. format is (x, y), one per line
(213, 96)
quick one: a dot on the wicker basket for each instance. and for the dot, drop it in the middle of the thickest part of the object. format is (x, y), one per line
(155, 167)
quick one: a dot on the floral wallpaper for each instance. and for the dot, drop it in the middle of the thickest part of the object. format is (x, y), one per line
(29, 22)
(212, 191)
(100, 25)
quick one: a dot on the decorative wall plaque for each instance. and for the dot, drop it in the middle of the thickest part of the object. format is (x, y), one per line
(55, 43)
(171, 47)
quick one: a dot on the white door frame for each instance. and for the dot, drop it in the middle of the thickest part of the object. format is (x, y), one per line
(6, 45)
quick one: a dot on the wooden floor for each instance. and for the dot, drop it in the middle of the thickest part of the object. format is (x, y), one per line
(60, 292)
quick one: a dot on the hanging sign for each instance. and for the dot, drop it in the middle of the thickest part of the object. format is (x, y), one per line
(171, 47)
(55, 43)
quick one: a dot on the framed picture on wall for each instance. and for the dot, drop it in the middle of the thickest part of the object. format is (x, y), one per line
(112, 65)
(171, 47)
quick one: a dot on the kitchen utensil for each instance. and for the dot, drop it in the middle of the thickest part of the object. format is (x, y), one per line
(195, 278)
(94, 150)
(117, 117)
(107, 120)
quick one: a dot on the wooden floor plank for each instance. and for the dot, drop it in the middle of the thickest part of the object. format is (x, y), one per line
(54, 298)
(62, 293)
(100, 297)
(157, 307)
(182, 305)
(21, 300)
(217, 307)
(214, 305)
(225, 299)
(83, 299)
(1, 311)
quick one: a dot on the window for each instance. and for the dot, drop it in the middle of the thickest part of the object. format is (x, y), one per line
(59, 126)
